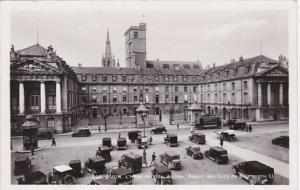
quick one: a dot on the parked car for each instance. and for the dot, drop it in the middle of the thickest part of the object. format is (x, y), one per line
(133, 135)
(22, 165)
(82, 132)
(45, 134)
(77, 168)
(161, 175)
(103, 181)
(95, 165)
(104, 152)
(239, 124)
(63, 174)
(281, 141)
(121, 143)
(36, 178)
(254, 172)
(217, 154)
(132, 161)
(228, 135)
(106, 141)
(194, 152)
(171, 140)
(171, 159)
(143, 142)
(159, 130)
(122, 176)
(198, 138)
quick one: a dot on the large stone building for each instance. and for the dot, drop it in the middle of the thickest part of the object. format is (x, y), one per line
(254, 88)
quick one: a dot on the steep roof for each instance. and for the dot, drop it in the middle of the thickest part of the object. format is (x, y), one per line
(35, 50)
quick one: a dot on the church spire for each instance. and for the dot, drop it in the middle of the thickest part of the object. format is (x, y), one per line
(108, 60)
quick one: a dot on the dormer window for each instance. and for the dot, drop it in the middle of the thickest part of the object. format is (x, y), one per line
(202, 77)
(247, 69)
(226, 73)
(210, 76)
(136, 34)
(83, 77)
(175, 79)
(184, 78)
(218, 75)
(114, 78)
(234, 71)
(94, 77)
(124, 89)
(104, 78)
(124, 78)
(156, 78)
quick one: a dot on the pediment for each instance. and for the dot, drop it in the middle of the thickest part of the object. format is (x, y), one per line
(33, 67)
(275, 72)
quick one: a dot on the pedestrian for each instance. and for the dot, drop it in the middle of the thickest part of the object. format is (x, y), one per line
(153, 158)
(150, 140)
(119, 135)
(99, 128)
(53, 142)
(32, 150)
(221, 140)
(177, 126)
(250, 128)
(50, 178)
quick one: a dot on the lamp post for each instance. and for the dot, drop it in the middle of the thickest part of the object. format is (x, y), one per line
(105, 117)
(144, 117)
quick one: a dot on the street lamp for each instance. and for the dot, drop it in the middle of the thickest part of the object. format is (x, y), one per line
(105, 117)
(144, 117)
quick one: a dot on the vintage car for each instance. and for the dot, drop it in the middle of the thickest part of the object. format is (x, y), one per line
(77, 168)
(103, 181)
(171, 159)
(194, 152)
(82, 132)
(36, 178)
(162, 175)
(132, 161)
(22, 165)
(63, 174)
(229, 122)
(281, 141)
(159, 130)
(133, 135)
(198, 138)
(45, 134)
(228, 135)
(121, 143)
(104, 152)
(95, 165)
(106, 141)
(143, 141)
(217, 154)
(239, 124)
(254, 172)
(122, 176)
(171, 140)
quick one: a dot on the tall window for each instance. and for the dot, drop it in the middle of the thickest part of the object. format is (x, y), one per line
(104, 98)
(135, 98)
(167, 89)
(246, 99)
(201, 97)
(51, 102)
(124, 98)
(194, 88)
(245, 85)
(233, 98)
(157, 99)
(216, 98)
(175, 79)
(185, 89)
(114, 78)
(104, 78)
(50, 123)
(208, 97)
(34, 102)
(233, 86)
(115, 99)
(176, 99)
(167, 98)
(176, 89)
(208, 88)
(83, 77)
(135, 34)
(185, 98)
(224, 86)
(156, 78)
(124, 78)
(166, 78)
(94, 89)
(94, 98)
(94, 77)
(184, 78)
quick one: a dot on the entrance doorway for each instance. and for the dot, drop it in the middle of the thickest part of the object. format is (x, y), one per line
(94, 112)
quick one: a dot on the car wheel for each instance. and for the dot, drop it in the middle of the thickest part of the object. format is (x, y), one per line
(234, 171)
(194, 156)
(252, 181)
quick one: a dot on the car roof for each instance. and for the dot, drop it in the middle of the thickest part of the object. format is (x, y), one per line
(106, 138)
(171, 153)
(21, 158)
(257, 165)
(97, 159)
(74, 161)
(172, 135)
(104, 148)
(121, 139)
(196, 148)
(162, 169)
(133, 155)
(218, 148)
(228, 131)
(121, 171)
(200, 134)
(62, 168)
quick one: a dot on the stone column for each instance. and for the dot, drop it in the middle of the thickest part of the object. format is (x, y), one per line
(21, 98)
(58, 98)
(259, 94)
(43, 97)
(280, 94)
(269, 94)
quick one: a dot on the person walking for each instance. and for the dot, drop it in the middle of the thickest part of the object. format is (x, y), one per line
(177, 126)
(221, 140)
(99, 128)
(53, 142)
(250, 128)
(32, 150)
(153, 158)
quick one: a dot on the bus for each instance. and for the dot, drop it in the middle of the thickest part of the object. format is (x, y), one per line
(207, 121)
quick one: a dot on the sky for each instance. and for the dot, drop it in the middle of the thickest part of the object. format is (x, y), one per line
(210, 36)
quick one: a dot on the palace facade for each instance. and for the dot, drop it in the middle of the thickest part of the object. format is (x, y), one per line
(44, 85)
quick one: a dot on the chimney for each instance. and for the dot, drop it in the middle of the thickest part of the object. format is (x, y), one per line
(79, 65)
(241, 59)
(214, 65)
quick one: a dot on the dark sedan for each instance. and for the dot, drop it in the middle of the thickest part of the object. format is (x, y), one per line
(159, 130)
